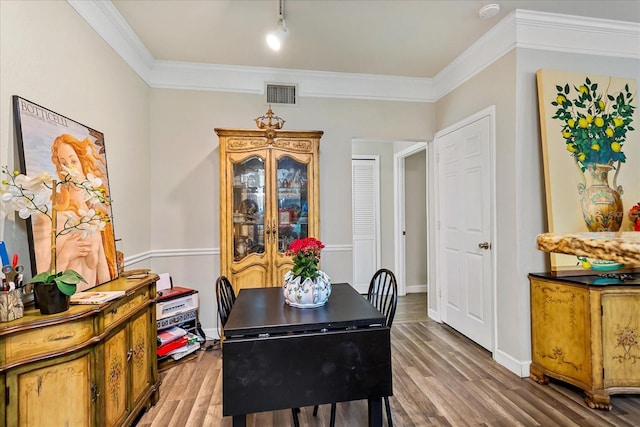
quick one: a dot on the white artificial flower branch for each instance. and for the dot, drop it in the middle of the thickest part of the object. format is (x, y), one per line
(28, 195)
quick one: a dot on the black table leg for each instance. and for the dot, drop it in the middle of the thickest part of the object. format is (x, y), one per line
(375, 412)
(239, 421)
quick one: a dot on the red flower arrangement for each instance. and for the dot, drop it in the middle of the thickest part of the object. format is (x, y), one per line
(634, 216)
(306, 256)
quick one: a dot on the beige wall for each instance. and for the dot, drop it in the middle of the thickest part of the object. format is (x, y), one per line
(50, 56)
(510, 85)
(496, 85)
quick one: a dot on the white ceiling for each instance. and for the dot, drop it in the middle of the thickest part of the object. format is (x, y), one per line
(411, 38)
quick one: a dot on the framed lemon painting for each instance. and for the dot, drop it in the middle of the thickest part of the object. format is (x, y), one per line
(591, 153)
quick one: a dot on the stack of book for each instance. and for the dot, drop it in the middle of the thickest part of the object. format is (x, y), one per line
(176, 343)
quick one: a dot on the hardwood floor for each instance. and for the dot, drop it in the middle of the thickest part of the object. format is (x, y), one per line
(440, 379)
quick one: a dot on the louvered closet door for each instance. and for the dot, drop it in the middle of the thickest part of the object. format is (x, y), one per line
(366, 220)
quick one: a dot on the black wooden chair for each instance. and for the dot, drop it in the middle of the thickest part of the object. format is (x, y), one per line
(226, 297)
(383, 295)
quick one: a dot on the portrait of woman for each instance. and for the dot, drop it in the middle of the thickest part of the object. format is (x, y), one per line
(91, 254)
(52, 145)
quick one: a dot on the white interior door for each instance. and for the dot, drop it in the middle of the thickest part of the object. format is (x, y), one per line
(464, 256)
(365, 181)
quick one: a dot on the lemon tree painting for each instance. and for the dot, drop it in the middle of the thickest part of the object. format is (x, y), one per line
(591, 153)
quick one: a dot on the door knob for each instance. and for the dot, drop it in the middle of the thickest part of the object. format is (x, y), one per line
(484, 245)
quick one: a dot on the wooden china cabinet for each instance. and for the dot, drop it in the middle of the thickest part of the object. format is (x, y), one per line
(268, 198)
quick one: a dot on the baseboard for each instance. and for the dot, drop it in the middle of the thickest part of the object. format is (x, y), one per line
(212, 333)
(520, 368)
(416, 289)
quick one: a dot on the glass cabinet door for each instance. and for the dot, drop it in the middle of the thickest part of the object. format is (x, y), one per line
(292, 184)
(248, 202)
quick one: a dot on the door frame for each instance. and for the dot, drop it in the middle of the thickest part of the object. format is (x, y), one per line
(439, 304)
(400, 212)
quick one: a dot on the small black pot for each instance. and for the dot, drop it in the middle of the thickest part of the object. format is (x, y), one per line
(50, 299)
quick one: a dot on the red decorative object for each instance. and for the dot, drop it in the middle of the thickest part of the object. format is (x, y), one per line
(634, 216)
(306, 256)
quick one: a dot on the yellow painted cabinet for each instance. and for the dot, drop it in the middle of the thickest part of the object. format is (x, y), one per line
(586, 335)
(621, 339)
(268, 198)
(115, 377)
(141, 359)
(93, 365)
(126, 361)
(57, 392)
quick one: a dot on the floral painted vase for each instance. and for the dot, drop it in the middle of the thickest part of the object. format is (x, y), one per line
(601, 205)
(307, 293)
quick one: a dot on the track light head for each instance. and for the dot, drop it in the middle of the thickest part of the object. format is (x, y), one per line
(277, 37)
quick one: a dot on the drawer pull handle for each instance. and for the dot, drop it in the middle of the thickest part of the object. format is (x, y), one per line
(129, 354)
(114, 311)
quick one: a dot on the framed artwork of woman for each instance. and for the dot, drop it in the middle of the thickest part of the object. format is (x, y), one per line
(49, 142)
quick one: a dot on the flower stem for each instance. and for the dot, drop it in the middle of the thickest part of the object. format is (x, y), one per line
(54, 226)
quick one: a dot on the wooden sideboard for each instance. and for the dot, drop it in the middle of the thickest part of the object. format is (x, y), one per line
(93, 365)
(585, 330)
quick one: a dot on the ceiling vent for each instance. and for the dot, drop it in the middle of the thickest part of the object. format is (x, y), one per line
(284, 94)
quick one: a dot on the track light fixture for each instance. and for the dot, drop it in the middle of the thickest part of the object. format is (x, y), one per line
(276, 38)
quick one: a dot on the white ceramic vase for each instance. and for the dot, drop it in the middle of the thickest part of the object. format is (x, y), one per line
(307, 293)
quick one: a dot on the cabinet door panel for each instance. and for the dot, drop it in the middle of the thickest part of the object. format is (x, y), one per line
(250, 275)
(244, 258)
(115, 377)
(561, 340)
(248, 203)
(139, 362)
(293, 206)
(621, 339)
(57, 395)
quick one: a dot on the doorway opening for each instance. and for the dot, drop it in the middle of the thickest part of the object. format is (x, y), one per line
(411, 218)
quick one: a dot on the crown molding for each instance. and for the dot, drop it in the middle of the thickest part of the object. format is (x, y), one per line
(225, 78)
(519, 29)
(540, 31)
(566, 33)
(105, 20)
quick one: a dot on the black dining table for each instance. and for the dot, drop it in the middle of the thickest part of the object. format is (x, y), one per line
(275, 356)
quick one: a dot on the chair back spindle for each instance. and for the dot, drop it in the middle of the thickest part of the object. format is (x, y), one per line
(383, 293)
(226, 298)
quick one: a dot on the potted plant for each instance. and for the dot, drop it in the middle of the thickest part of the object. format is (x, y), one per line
(594, 126)
(305, 286)
(36, 196)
